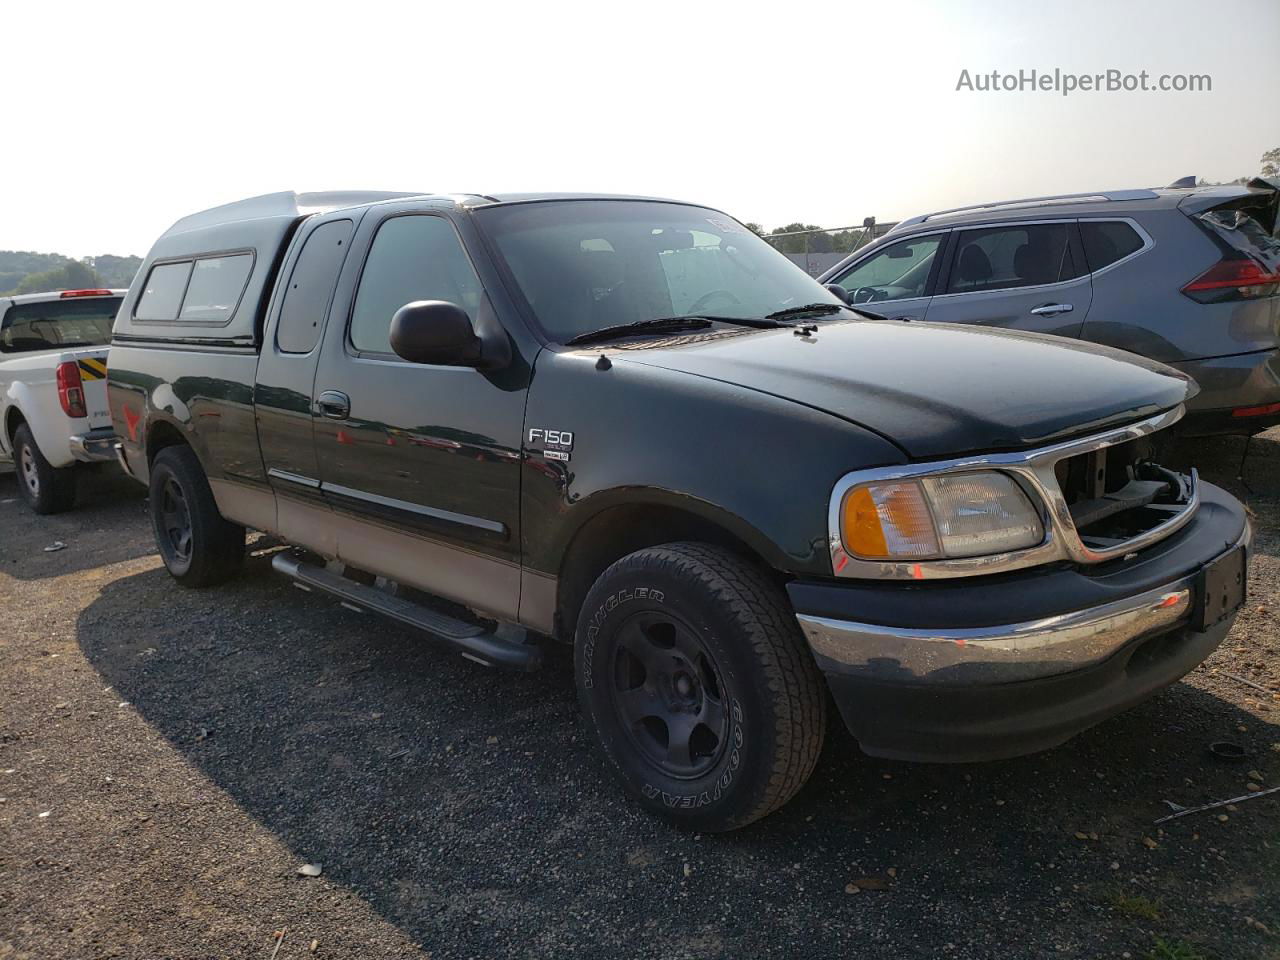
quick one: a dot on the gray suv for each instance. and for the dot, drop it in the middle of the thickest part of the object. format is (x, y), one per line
(1186, 275)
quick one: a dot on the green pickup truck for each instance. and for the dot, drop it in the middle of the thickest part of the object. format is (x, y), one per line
(632, 426)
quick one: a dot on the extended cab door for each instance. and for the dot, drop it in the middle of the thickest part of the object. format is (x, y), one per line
(420, 464)
(286, 375)
(897, 279)
(1024, 276)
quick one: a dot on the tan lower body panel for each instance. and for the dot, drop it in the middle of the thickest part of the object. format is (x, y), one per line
(308, 524)
(538, 592)
(482, 583)
(250, 506)
(490, 586)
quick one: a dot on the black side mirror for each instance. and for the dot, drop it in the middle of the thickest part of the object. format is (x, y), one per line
(844, 295)
(437, 332)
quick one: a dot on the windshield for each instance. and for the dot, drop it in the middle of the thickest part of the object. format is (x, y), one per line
(54, 324)
(584, 265)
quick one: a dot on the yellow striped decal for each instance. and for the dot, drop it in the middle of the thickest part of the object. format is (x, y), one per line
(91, 368)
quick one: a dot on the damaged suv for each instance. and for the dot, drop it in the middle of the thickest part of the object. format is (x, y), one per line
(631, 425)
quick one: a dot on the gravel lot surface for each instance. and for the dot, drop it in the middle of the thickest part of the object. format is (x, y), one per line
(169, 759)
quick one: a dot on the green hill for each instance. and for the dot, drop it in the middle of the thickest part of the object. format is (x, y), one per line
(22, 271)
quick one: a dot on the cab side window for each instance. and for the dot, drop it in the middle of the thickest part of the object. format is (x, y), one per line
(310, 290)
(1004, 258)
(898, 272)
(415, 257)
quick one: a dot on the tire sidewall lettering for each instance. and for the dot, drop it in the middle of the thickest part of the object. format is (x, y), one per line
(592, 634)
(723, 781)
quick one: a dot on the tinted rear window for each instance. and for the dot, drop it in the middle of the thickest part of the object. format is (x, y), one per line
(58, 324)
(1106, 241)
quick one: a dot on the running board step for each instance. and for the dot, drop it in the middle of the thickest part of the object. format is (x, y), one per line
(491, 648)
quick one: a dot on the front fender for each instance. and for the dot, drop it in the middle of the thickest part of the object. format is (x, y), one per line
(760, 466)
(585, 511)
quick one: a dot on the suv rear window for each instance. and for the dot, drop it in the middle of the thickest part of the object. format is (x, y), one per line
(1106, 241)
(54, 324)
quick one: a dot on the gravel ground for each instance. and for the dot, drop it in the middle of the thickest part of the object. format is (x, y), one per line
(169, 758)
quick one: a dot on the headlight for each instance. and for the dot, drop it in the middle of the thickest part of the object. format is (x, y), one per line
(956, 515)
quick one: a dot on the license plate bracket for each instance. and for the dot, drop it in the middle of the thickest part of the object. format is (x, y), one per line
(1220, 589)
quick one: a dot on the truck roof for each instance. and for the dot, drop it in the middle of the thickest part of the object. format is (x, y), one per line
(285, 205)
(255, 231)
(288, 205)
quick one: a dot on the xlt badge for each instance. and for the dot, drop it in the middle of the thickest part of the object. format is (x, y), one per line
(556, 443)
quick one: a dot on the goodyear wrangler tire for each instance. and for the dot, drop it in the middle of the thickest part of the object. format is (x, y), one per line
(198, 546)
(694, 677)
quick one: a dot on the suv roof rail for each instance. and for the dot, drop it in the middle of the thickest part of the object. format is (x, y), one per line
(1049, 201)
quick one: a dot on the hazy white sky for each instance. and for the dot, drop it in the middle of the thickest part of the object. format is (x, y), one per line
(121, 117)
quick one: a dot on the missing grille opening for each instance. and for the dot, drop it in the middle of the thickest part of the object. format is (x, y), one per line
(1120, 492)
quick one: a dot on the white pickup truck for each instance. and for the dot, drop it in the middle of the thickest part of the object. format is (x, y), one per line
(53, 389)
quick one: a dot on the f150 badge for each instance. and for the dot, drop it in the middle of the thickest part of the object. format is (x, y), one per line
(556, 443)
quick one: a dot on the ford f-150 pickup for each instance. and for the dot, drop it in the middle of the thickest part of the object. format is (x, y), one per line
(633, 426)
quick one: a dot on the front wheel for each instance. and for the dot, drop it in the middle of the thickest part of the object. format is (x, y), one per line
(46, 488)
(693, 674)
(198, 546)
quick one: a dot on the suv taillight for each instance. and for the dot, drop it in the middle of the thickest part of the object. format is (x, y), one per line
(71, 390)
(1233, 280)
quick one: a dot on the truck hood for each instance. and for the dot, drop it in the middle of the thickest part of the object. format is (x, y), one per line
(938, 390)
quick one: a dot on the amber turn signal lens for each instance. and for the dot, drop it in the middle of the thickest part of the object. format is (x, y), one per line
(862, 532)
(888, 520)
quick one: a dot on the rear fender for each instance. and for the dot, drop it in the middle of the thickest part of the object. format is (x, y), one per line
(37, 405)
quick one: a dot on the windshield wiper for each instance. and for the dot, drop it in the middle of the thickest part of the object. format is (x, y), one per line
(656, 325)
(806, 308)
(693, 321)
(824, 308)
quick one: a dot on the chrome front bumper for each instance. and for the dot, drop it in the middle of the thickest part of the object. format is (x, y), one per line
(1001, 654)
(94, 446)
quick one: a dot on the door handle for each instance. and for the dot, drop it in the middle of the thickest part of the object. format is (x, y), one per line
(334, 405)
(1049, 309)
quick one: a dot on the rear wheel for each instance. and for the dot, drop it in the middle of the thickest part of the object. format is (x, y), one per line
(46, 488)
(199, 547)
(694, 676)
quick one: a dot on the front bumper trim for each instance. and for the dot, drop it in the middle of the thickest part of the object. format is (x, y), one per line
(1003, 653)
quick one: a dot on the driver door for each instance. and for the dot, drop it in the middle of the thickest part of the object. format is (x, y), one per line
(897, 278)
(420, 464)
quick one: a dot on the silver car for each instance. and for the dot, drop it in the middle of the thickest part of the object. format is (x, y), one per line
(1186, 275)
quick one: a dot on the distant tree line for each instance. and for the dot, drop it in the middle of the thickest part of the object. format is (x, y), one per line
(22, 271)
(810, 238)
